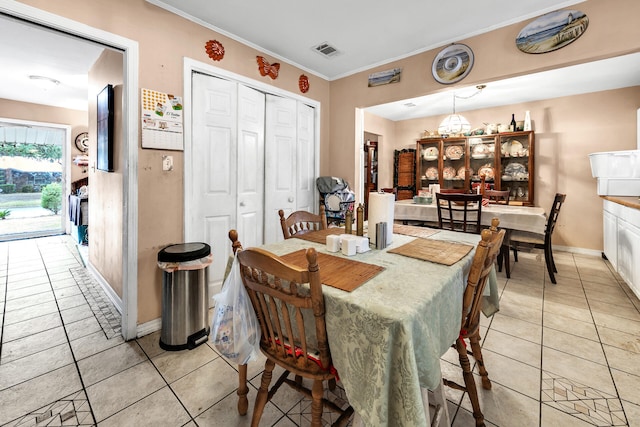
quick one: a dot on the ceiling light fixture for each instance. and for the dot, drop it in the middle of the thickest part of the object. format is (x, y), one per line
(455, 124)
(44, 82)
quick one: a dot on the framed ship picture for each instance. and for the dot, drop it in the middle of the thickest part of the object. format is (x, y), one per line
(552, 31)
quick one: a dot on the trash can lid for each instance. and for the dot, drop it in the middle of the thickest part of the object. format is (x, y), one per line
(184, 252)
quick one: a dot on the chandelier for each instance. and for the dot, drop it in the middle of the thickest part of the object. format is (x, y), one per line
(454, 123)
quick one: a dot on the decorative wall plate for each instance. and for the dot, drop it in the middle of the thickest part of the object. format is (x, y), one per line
(214, 49)
(267, 69)
(552, 31)
(452, 64)
(82, 142)
(303, 83)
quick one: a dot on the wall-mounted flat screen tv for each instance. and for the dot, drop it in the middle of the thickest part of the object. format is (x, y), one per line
(105, 129)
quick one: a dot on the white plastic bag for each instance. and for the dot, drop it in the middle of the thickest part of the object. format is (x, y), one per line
(235, 331)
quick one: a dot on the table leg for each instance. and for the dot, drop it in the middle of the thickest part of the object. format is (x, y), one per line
(243, 390)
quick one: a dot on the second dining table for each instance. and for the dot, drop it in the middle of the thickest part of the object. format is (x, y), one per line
(512, 217)
(387, 335)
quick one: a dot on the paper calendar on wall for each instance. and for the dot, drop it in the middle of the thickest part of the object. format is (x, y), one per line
(161, 120)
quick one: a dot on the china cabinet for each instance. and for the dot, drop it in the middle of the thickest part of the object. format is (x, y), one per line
(404, 173)
(506, 161)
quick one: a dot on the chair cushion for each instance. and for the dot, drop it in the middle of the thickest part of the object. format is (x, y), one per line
(312, 355)
(527, 237)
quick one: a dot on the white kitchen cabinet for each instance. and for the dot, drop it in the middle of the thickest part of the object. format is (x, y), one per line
(622, 242)
(611, 237)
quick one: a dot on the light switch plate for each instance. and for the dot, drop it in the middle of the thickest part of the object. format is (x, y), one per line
(167, 163)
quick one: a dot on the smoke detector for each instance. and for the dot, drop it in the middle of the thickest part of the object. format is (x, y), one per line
(326, 50)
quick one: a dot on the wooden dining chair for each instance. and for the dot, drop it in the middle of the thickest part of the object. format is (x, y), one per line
(283, 296)
(486, 253)
(459, 212)
(540, 241)
(498, 197)
(300, 222)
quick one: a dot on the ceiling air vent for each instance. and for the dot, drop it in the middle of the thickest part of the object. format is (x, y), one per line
(326, 50)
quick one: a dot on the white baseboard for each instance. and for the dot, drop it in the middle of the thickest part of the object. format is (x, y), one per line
(111, 294)
(580, 251)
(148, 327)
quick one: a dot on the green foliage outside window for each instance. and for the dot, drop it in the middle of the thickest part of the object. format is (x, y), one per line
(34, 151)
(52, 197)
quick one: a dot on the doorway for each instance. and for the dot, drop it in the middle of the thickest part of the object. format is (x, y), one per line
(370, 166)
(32, 179)
(129, 48)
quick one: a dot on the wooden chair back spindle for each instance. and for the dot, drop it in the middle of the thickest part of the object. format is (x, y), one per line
(300, 222)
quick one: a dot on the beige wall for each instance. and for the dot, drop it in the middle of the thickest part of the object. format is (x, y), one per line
(105, 188)
(560, 124)
(160, 218)
(77, 119)
(164, 40)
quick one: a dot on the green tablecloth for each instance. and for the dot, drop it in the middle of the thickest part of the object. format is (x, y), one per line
(387, 336)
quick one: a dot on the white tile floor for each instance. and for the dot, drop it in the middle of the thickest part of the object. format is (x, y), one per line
(565, 354)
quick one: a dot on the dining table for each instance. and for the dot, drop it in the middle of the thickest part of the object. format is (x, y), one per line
(387, 335)
(532, 219)
(512, 217)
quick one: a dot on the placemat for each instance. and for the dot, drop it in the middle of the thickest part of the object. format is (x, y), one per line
(439, 251)
(412, 230)
(337, 272)
(319, 236)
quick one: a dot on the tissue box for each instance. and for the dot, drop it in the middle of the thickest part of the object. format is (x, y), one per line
(333, 243)
(349, 244)
(362, 244)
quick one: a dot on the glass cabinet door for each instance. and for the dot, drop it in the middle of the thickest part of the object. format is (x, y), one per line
(516, 166)
(454, 166)
(427, 161)
(482, 160)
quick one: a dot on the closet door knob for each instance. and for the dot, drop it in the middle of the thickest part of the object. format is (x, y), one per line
(242, 204)
(290, 199)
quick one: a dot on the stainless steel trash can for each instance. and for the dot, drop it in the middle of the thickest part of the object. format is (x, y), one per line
(185, 295)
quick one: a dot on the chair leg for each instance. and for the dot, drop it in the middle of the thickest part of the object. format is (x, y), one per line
(500, 259)
(469, 382)
(477, 354)
(243, 390)
(317, 392)
(553, 261)
(263, 393)
(548, 258)
(515, 254)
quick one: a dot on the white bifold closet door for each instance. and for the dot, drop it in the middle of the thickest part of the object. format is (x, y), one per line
(252, 154)
(289, 162)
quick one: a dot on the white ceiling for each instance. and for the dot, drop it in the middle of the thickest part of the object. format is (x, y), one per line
(367, 34)
(33, 50)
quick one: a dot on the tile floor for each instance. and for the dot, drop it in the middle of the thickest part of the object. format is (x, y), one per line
(565, 354)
